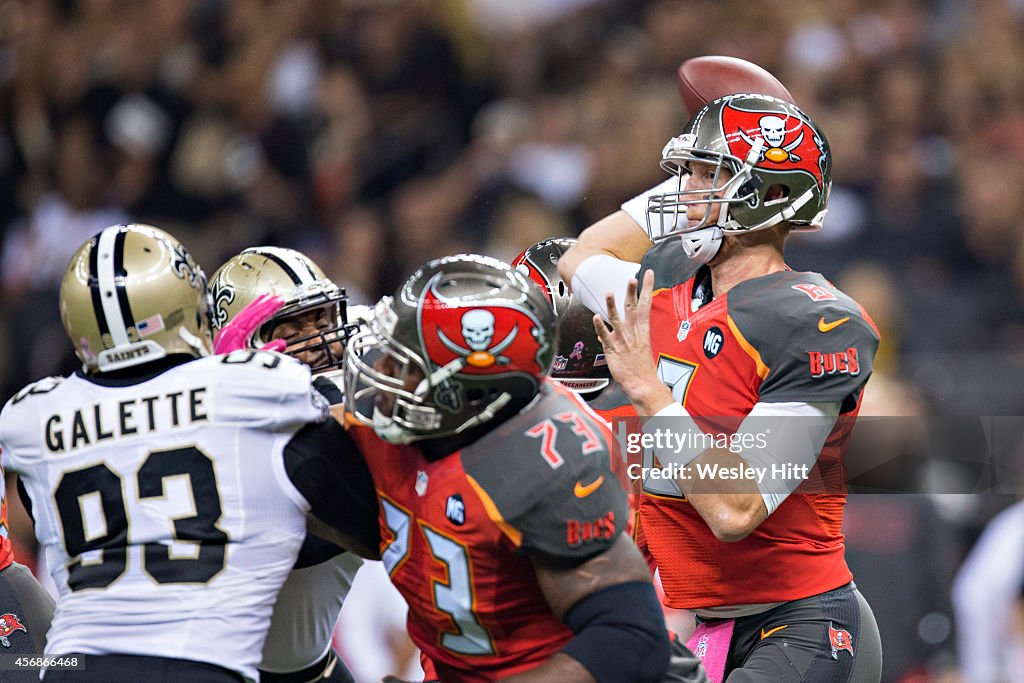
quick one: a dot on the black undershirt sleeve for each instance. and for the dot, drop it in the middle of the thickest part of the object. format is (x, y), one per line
(25, 500)
(325, 465)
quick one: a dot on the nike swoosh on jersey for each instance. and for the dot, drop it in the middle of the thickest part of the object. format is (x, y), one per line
(765, 634)
(582, 491)
(828, 327)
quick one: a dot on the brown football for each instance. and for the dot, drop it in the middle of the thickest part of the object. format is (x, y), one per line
(703, 79)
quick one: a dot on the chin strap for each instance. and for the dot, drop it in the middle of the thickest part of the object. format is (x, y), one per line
(387, 429)
(702, 245)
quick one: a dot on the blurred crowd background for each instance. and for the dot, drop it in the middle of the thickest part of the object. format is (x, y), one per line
(375, 134)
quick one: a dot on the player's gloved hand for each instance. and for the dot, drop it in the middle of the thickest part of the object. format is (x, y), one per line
(236, 334)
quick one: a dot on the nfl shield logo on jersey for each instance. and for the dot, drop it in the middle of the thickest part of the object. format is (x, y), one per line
(684, 330)
(421, 483)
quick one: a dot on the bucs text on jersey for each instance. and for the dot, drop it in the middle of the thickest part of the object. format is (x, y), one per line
(163, 505)
(784, 337)
(458, 532)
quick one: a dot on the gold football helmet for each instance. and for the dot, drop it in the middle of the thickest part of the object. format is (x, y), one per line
(306, 291)
(133, 294)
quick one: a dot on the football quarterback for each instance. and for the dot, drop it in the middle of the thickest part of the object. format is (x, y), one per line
(726, 341)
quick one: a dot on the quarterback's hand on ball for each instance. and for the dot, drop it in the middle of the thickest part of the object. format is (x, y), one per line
(627, 348)
(236, 334)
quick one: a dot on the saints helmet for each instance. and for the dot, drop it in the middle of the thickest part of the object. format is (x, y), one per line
(578, 362)
(133, 294)
(474, 336)
(294, 277)
(778, 162)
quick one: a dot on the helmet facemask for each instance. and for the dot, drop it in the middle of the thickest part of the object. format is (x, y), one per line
(732, 184)
(381, 369)
(305, 290)
(321, 350)
(464, 343)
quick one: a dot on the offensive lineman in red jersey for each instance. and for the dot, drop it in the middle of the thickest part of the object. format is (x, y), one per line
(724, 334)
(502, 526)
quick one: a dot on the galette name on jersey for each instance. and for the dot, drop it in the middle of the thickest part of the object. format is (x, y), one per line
(118, 419)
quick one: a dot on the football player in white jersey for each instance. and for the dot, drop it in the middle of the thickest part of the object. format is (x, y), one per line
(313, 321)
(170, 488)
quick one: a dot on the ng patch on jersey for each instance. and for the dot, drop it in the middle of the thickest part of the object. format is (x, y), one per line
(455, 510)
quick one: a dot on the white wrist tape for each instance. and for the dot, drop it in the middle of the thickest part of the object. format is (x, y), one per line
(677, 440)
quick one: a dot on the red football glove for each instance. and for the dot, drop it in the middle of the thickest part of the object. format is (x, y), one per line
(237, 333)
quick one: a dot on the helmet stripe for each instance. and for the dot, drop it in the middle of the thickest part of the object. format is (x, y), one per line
(94, 288)
(108, 285)
(119, 278)
(283, 265)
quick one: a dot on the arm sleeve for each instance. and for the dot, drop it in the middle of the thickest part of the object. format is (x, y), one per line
(325, 465)
(599, 275)
(26, 500)
(620, 634)
(785, 439)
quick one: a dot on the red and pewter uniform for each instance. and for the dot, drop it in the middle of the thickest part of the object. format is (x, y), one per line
(785, 337)
(459, 532)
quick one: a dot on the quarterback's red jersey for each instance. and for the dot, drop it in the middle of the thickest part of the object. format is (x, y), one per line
(459, 531)
(785, 337)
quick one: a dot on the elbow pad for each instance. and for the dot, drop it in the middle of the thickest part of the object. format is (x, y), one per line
(620, 634)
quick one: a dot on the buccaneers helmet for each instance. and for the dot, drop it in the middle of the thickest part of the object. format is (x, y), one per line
(466, 338)
(304, 287)
(133, 294)
(777, 162)
(579, 362)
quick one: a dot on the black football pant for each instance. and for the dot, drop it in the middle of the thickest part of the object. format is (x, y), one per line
(826, 638)
(330, 669)
(115, 668)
